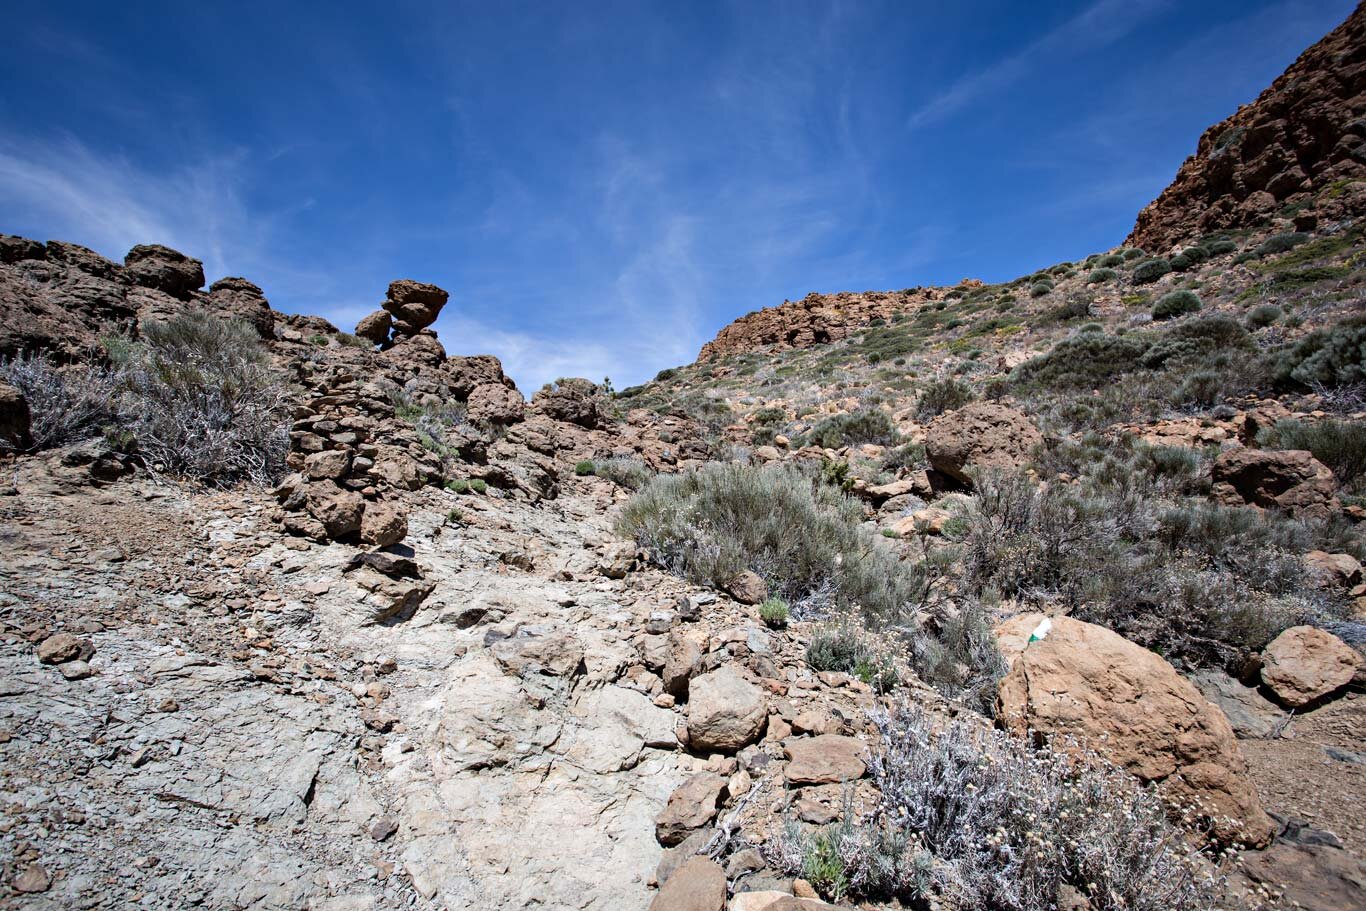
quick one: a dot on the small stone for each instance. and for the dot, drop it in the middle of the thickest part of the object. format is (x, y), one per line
(61, 647)
(75, 670)
(747, 588)
(383, 828)
(168, 705)
(31, 879)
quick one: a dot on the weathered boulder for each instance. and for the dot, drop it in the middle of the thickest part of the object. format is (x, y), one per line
(824, 759)
(683, 658)
(375, 327)
(463, 374)
(1091, 685)
(725, 711)
(155, 266)
(574, 401)
(1340, 570)
(691, 806)
(60, 648)
(15, 421)
(980, 435)
(1289, 479)
(338, 510)
(747, 588)
(494, 403)
(414, 305)
(240, 299)
(698, 885)
(421, 349)
(1304, 664)
(383, 524)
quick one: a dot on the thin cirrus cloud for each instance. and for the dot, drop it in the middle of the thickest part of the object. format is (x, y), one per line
(1097, 26)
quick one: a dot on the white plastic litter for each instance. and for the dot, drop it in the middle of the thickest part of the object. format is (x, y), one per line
(1041, 631)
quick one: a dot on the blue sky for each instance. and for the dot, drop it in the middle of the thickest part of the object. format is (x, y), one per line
(601, 186)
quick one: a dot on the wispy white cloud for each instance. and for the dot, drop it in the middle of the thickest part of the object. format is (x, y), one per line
(1099, 25)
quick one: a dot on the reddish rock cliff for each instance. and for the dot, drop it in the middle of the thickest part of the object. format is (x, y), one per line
(1302, 141)
(813, 320)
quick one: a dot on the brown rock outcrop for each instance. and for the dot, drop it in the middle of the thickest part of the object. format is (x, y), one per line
(1086, 683)
(414, 305)
(15, 420)
(241, 299)
(814, 320)
(155, 266)
(981, 435)
(1303, 133)
(1291, 479)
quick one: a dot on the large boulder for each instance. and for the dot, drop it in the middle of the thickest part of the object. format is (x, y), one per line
(15, 421)
(980, 435)
(465, 374)
(375, 327)
(1084, 683)
(414, 305)
(155, 266)
(725, 711)
(420, 350)
(1304, 664)
(240, 299)
(1288, 479)
(494, 403)
(574, 401)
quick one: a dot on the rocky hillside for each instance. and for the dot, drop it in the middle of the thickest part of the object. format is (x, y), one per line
(1301, 146)
(853, 612)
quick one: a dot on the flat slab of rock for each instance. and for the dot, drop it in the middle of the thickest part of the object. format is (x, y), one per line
(698, 885)
(1305, 664)
(824, 759)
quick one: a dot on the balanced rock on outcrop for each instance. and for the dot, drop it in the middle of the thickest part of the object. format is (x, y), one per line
(1304, 664)
(241, 299)
(1291, 479)
(1091, 685)
(980, 435)
(414, 305)
(155, 266)
(574, 401)
(725, 711)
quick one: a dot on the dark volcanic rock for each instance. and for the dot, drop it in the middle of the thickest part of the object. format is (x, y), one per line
(155, 266)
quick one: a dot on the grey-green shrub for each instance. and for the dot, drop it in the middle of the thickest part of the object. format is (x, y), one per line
(1176, 303)
(1099, 276)
(804, 538)
(941, 395)
(1039, 289)
(867, 425)
(1280, 243)
(66, 404)
(1330, 357)
(631, 474)
(1263, 315)
(965, 811)
(1151, 270)
(1341, 445)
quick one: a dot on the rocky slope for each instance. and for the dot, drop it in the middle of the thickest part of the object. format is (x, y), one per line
(1305, 134)
(424, 670)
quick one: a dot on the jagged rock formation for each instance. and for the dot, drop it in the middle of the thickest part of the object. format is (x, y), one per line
(1302, 141)
(814, 320)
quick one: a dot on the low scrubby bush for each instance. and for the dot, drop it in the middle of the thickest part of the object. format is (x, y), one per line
(1099, 276)
(1109, 261)
(195, 397)
(1151, 270)
(66, 404)
(774, 612)
(631, 474)
(1280, 243)
(969, 817)
(941, 395)
(1175, 303)
(1330, 358)
(1263, 315)
(846, 645)
(1039, 289)
(868, 425)
(804, 538)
